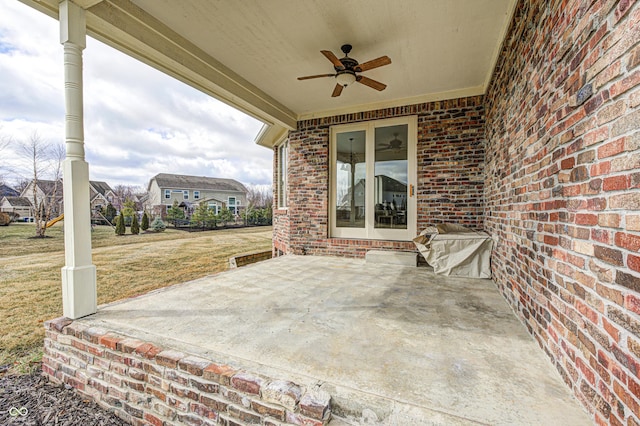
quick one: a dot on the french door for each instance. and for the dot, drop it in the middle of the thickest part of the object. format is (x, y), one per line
(373, 179)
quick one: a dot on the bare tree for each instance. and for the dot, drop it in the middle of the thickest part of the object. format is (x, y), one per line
(259, 196)
(123, 193)
(45, 160)
(21, 185)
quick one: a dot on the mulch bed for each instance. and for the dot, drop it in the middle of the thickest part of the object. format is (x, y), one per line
(33, 400)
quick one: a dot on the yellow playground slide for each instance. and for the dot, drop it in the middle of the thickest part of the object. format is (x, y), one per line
(54, 221)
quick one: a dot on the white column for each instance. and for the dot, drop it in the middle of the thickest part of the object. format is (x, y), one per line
(79, 295)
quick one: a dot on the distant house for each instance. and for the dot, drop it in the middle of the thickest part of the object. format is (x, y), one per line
(190, 191)
(7, 191)
(47, 193)
(100, 194)
(17, 207)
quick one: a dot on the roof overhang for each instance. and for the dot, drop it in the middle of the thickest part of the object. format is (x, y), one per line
(249, 53)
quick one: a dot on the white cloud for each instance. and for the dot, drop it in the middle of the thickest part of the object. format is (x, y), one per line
(138, 121)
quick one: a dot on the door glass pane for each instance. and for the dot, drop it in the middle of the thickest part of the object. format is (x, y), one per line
(391, 177)
(350, 179)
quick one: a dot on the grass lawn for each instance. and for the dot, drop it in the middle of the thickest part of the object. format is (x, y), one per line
(30, 283)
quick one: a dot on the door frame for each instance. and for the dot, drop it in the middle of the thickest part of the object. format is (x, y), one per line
(370, 232)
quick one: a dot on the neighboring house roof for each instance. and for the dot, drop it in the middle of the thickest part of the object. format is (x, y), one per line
(7, 191)
(100, 187)
(165, 180)
(18, 201)
(47, 186)
(392, 185)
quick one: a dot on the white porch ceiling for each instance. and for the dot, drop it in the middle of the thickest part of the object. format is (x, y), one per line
(249, 53)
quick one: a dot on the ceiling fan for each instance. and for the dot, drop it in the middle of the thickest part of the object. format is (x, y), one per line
(347, 69)
(394, 145)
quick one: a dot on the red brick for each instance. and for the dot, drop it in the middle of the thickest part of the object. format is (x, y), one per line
(153, 420)
(57, 324)
(632, 303)
(169, 358)
(625, 84)
(609, 255)
(193, 365)
(248, 383)
(586, 219)
(128, 345)
(216, 404)
(219, 373)
(271, 410)
(600, 169)
(628, 241)
(612, 148)
(316, 404)
(615, 183)
(148, 350)
(633, 262)
(567, 163)
(611, 330)
(110, 341)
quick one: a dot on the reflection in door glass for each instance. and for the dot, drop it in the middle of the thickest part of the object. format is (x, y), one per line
(391, 177)
(350, 179)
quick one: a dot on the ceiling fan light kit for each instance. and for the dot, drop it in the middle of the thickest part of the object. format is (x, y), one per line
(346, 70)
(345, 78)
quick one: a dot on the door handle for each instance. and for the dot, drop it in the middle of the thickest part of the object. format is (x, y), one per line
(411, 190)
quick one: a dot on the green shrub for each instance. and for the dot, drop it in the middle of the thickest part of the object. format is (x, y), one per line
(110, 212)
(145, 221)
(158, 225)
(135, 227)
(120, 228)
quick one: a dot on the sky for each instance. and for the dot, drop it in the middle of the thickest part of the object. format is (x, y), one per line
(138, 122)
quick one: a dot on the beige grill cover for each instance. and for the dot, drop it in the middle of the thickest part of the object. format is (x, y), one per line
(456, 251)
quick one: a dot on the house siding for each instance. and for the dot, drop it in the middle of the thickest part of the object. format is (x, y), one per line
(159, 203)
(562, 192)
(450, 151)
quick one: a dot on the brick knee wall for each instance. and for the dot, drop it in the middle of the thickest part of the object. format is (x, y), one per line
(562, 192)
(145, 384)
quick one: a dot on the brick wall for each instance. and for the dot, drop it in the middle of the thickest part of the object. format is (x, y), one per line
(449, 187)
(562, 192)
(144, 384)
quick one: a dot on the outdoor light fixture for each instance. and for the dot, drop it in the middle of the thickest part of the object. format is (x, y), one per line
(345, 78)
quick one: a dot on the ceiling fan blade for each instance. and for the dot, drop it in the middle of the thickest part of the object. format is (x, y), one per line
(371, 83)
(333, 58)
(316, 76)
(375, 63)
(337, 90)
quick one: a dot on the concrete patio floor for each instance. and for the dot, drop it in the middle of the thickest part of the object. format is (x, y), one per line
(391, 344)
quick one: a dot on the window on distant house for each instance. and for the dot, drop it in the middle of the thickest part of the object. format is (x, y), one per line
(281, 184)
(185, 194)
(231, 203)
(167, 193)
(215, 207)
(196, 195)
